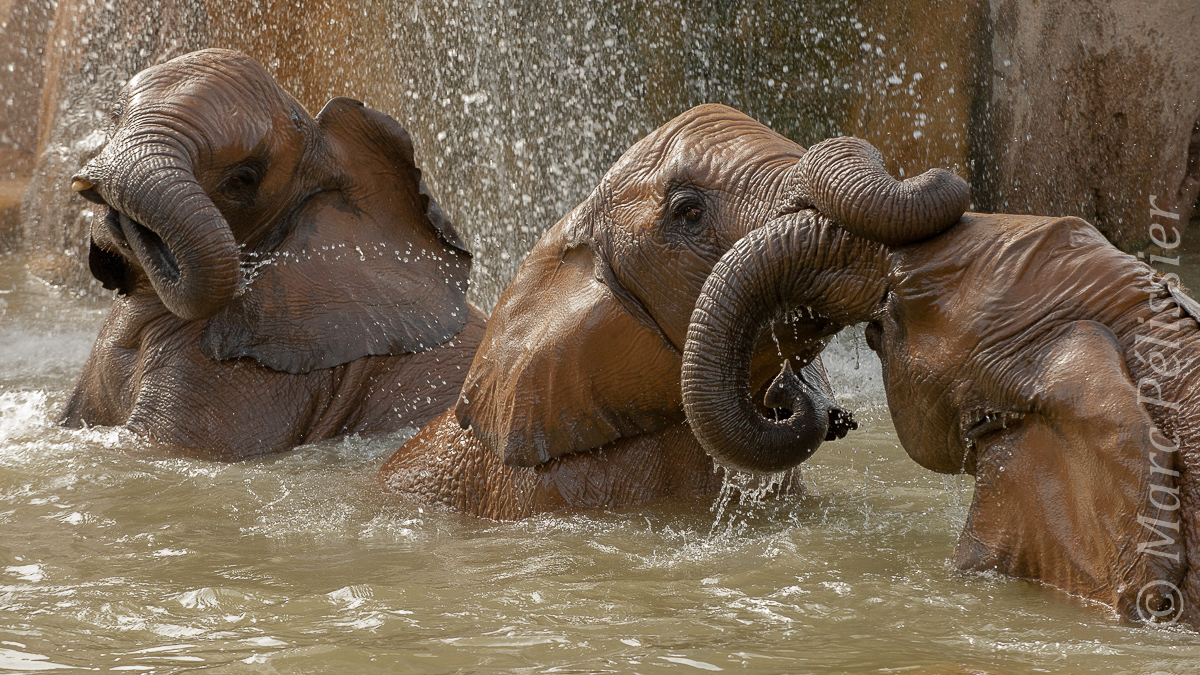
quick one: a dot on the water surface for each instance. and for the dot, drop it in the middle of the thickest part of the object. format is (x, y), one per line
(116, 558)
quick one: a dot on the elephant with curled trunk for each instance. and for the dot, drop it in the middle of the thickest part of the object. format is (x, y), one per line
(1026, 351)
(280, 279)
(573, 398)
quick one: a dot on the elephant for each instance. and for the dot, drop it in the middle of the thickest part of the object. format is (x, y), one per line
(573, 398)
(279, 279)
(1026, 351)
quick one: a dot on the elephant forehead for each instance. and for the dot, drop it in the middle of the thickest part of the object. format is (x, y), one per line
(231, 80)
(218, 90)
(995, 276)
(709, 145)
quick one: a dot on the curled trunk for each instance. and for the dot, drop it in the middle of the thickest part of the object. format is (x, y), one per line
(833, 263)
(172, 227)
(796, 261)
(844, 179)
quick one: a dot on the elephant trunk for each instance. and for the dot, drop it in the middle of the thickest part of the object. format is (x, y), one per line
(844, 179)
(833, 263)
(177, 234)
(799, 260)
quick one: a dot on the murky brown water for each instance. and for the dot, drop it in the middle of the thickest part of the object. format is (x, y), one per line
(118, 560)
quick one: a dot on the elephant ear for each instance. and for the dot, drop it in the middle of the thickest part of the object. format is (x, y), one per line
(569, 362)
(373, 268)
(1081, 492)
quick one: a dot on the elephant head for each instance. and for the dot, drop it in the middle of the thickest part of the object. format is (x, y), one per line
(825, 255)
(305, 243)
(584, 345)
(1026, 351)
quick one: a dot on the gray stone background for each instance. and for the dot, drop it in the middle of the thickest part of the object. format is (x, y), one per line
(517, 108)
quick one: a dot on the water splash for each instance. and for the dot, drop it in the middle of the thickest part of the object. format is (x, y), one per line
(956, 503)
(744, 489)
(21, 413)
(515, 111)
(778, 348)
(855, 380)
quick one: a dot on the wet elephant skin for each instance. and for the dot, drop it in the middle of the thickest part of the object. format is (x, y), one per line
(1057, 370)
(1028, 352)
(573, 398)
(280, 278)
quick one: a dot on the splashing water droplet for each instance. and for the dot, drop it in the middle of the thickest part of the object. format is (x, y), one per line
(740, 488)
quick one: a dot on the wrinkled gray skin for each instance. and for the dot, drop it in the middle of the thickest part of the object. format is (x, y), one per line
(842, 178)
(1026, 351)
(280, 278)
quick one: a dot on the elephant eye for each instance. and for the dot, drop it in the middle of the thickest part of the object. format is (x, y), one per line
(687, 207)
(242, 182)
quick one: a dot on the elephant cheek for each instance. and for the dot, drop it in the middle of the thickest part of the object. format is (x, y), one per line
(1049, 507)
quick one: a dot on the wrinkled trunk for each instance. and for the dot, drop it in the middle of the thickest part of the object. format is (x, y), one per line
(844, 179)
(797, 261)
(172, 227)
(832, 263)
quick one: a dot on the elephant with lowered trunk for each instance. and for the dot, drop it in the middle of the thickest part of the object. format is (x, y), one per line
(280, 279)
(1026, 351)
(573, 397)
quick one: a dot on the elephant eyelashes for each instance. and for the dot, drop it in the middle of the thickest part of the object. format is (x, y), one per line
(687, 209)
(242, 182)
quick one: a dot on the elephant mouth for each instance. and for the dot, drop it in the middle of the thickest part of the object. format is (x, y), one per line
(112, 225)
(149, 248)
(981, 427)
(981, 422)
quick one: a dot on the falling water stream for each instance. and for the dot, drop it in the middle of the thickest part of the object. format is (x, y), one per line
(118, 558)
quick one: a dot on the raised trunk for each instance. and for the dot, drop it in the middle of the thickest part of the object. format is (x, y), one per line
(797, 261)
(172, 227)
(803, 260)
(844, 179)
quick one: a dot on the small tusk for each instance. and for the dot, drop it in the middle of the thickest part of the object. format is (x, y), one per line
(79, 185)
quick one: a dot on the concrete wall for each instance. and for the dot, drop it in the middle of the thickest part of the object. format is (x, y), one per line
(1094, 108)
